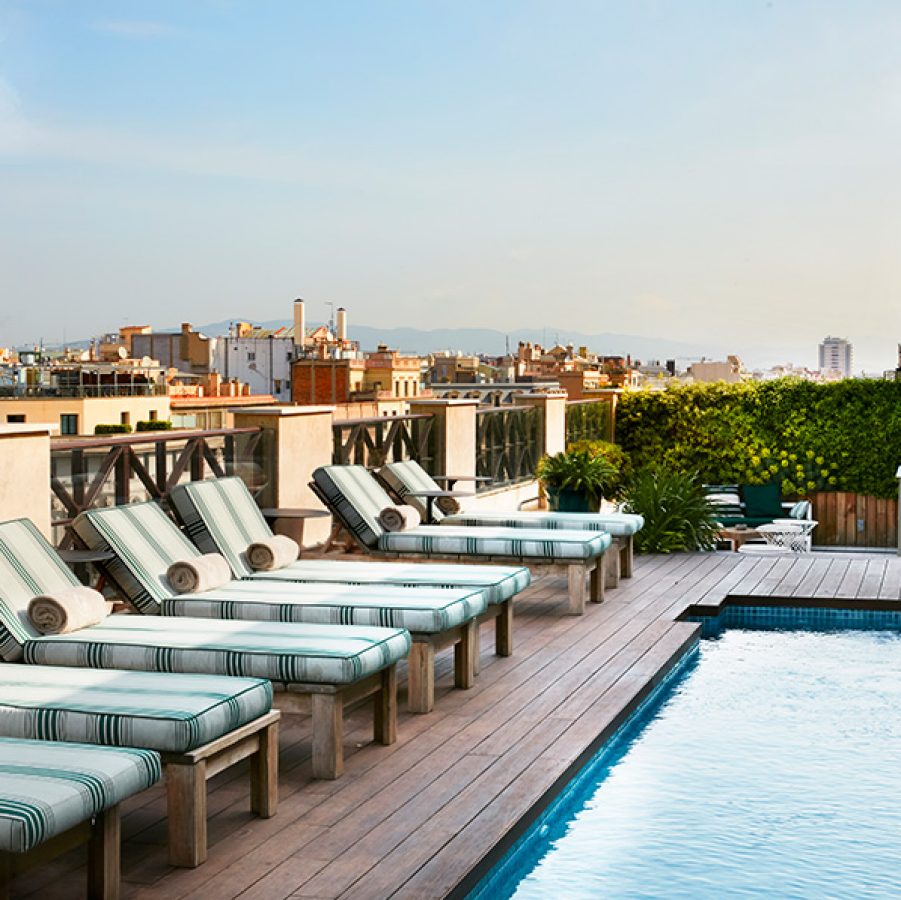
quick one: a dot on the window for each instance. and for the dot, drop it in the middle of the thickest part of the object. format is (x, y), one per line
(251, 356)
(16, 419)
(152, 415)
(125, 418)
(278, 385)
(68, 423)
(289, 357)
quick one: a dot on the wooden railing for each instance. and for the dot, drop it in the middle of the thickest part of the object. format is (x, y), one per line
(373, 442)
(117, 469)
(509, 443)
(589, 420)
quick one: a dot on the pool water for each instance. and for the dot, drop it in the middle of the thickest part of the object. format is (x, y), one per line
(769, 767)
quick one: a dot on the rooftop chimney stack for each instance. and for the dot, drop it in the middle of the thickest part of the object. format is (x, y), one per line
(299, 323)
(341, 323)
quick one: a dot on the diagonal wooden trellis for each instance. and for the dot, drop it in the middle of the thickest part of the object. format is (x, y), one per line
(374, 442)
(509, 443)
(90, 472)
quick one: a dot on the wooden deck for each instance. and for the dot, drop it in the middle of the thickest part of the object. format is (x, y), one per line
(421, 818)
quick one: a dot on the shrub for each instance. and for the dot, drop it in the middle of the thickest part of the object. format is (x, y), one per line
(154, 425)
(113, 428)
(677, 514)
(806, 436)
(615, 455)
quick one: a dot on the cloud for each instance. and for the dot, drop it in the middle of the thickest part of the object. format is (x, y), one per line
(16, 133)
(136, 30)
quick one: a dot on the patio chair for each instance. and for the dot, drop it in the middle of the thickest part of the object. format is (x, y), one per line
(356, 499)
(221, 516)
(56, 796)
(146, 542)
(199, 724)
(318, 667)
(404, 479)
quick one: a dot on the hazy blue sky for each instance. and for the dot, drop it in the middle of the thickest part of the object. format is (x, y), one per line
(724, 172)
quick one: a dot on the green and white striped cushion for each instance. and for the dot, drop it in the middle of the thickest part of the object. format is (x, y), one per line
(616, 524)
(408, 476)
(499, 582)
(420, 609)
(535, 545)
(356, 498)
(145, 542)
(221, 516)
(153, 710)
(282, 651)
(28, 566)
(48, 788)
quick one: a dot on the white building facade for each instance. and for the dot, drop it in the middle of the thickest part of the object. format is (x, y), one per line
(836, 357)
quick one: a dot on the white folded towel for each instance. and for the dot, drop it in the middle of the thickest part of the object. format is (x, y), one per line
(450, 506)
(202, 573)
(399, 518)
(275, 552)
(69, 609)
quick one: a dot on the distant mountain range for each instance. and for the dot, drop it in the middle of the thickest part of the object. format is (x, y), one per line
(492, 342)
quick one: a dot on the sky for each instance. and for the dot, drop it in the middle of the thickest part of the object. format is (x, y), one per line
(722, 172)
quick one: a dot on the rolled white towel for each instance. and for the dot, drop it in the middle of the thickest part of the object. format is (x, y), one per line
(67, 610)
(399, 518)
(450, 506)
(275, 552)
(202, 573)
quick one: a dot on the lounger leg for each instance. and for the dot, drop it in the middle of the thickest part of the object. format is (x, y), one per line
(104, 864)
(386, 707)
(626, 557)
(6, 875)
(264, 774)
(598, 578)
(328, 735)
(576, 575)
(503, 630)
(477, 650)
(421, 682)
(186, 796)
(610, 564)
(465, 656)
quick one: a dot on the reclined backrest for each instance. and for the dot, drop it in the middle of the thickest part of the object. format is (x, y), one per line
(29, 566)
(406, 476)
(221, 516)
(355, 497)
(145, 542)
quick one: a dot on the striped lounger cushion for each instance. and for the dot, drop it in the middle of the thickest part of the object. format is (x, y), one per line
(423, 610)
(153, 710)
(146, 542)
(536, 545)
(407, 477)
(283, 652)
(359, 498)
(615, 524)
(48, 788)
(221, 516)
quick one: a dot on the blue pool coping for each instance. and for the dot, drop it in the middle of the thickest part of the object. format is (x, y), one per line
(518, 858)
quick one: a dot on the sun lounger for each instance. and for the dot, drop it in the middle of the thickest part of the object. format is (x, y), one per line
(221, 516)
(200, 724)
(404, 479)
(146, 543)
(317, 667)
(54, 796)
(356, 499)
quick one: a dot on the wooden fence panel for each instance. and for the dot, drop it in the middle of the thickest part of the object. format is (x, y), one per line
(854, 520)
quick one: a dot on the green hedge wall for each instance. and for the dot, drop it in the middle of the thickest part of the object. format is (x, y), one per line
(844, 436)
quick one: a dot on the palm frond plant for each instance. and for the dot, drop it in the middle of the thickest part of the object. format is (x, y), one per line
(677, 514)
(575, 481)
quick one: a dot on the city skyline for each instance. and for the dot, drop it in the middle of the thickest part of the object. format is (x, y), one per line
(720, 176)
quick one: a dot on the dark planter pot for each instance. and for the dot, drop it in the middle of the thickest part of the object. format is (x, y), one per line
(570, 501)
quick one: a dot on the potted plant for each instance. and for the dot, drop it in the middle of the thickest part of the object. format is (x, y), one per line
(575, 481)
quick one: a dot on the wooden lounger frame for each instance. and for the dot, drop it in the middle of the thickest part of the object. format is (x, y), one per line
(103, 835)
(187, 775)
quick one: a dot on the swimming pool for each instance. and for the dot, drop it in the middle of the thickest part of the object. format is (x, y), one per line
(769, 764)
